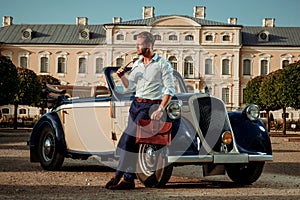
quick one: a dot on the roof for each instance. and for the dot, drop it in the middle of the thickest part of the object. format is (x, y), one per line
(52, 34)
(278, 36)
(69, 34)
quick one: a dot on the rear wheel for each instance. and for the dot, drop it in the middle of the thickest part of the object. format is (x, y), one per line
(49, 156)
(152, 166)
(245, 173)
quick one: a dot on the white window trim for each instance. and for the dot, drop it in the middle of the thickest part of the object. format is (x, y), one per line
(229, 57)
(213, 37)
(82, 55)
(250, 57)
(23, 54)
(212, 57)
(47, 55)
(285, 57)
(264, 57)
(95, 64)
(230, 34)
(64, 55)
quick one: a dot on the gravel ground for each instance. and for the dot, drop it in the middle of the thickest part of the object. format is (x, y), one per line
(20, 179)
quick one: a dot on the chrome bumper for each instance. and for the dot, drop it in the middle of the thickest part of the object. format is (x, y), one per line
(220, 158)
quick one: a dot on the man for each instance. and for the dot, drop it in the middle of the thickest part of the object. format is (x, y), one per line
(152, 79)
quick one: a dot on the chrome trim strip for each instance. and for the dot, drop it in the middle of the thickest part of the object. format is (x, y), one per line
(261, 158)
(219, 158)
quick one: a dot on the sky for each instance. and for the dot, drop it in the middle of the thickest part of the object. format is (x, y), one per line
(247, 12)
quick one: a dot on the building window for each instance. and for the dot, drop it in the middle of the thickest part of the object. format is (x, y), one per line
(120, 62)
(263, 67)
(225, 95)
(120, 37)
(99, 65)
(208, 66)
(225, 67)
(61, 65)
(188, 68)
(226, 38)
(5, 111)
(44, 65)
(135, 37)
(208, 38)
(285, 63)
(189, 37)
(22, 111)
(82, 66)
(157, 37)
(24, 61)
(173, 62)
(173, 37)
(246, 67)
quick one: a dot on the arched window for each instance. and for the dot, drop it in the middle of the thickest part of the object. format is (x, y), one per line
(24, 61)
(157, 37)
(120, 37)
(189, 37)
(173, 37)
(120, 62)
(226, 38)
(263, 67)
(188, 67)
(225, 95)
(208, 66)
(225, 67)
(44, 65)
(82, 66)
(285, 63)
(173, 62)
(61, 65)
(246, 67)
(209, 38)
(99, 65)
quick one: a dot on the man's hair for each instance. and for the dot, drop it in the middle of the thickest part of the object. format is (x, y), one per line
(149, 38)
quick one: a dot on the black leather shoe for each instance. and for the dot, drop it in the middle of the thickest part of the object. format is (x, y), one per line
(113, 182)
(123, 185)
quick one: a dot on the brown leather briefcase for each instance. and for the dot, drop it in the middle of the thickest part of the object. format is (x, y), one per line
(153, 132)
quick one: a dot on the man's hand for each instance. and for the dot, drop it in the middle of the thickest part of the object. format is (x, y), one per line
(156, 115)
(121, 72)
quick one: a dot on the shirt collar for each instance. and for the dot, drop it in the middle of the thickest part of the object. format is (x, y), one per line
(155, 58)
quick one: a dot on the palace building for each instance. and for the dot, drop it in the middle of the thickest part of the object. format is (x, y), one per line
(215, 57)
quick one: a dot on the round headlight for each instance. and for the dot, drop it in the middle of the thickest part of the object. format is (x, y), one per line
(252, 112)
(174, 110)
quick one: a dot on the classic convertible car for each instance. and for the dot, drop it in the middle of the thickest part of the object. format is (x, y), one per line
(203, 133)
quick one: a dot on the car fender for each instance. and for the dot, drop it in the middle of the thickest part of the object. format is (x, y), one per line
(52, 119)
(251, 137)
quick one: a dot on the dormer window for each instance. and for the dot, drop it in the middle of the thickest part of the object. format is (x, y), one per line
(27, 34)
(84, 34)
(263, 36)
(209, 38)
(157, 37)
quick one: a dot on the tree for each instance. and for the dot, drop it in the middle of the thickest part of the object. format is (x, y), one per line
(29, 90)
(9, 82)
(44, 80)
(252, 95)
(288, 83)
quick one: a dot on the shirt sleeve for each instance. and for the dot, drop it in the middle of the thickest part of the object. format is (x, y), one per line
(168, 78)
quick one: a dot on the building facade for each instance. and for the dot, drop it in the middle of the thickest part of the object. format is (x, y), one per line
(215, 57)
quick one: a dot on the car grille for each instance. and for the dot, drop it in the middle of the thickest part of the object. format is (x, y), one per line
(212, 119)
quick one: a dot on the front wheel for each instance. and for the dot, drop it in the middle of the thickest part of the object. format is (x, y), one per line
(152, 166)
(49, 156)
(245, 173)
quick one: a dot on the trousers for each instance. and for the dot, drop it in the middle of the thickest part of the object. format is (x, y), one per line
(127, 147)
